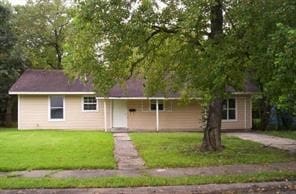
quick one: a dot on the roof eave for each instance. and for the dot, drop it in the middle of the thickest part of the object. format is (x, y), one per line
(138, 98)
(49, 93)
(113, 98)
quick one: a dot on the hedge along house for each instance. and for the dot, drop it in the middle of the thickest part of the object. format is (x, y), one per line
(47, 99)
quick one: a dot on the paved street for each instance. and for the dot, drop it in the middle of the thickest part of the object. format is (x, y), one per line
(267, 187)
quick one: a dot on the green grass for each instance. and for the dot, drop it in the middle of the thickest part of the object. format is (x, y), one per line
(27, 150)
(181, 150)
(19, 183)
(286, 134)
(8, 129)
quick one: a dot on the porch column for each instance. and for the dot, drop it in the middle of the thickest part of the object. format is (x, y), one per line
(157, 116)
(105, 116)
(245, 112)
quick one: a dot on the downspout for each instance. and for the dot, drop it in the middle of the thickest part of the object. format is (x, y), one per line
(19, 111)
(157, 116)
(111, 113)
(245, 112)
(105, 116)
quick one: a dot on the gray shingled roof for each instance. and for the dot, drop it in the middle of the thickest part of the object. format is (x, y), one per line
(48, 81)
(57, 81)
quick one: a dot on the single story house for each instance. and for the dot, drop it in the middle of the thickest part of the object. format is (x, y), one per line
(48, 100)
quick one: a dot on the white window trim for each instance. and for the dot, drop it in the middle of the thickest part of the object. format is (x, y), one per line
(158, 106)
(49, 109)
(82, 105)
(232, 120)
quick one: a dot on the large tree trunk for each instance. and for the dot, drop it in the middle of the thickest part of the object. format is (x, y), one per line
(216, 21)
(212, 130)
(58, 48)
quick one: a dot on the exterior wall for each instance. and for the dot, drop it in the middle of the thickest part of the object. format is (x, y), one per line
(34, 111)
(243, 115)
(175, 117)
(178, 116)
(34, 114)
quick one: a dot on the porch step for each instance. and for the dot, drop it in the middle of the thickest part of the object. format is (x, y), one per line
(119, 130)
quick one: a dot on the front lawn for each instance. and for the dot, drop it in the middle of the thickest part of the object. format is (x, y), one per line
(27, 150)
(286, 134)
(140, 181)
(181, 150)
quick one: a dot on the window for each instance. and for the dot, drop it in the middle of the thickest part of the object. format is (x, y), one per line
(153, 105)
(89, 103)
(56, 107)
(229, 109)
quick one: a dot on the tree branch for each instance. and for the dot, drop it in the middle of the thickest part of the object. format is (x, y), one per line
(159, 29)
(152, 35)
(166, 30)
(134, 64)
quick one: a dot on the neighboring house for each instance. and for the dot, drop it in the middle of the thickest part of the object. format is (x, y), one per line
(48, 100)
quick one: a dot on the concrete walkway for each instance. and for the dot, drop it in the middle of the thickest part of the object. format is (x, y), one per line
(126, 155)
(237, 169)
(268, 140)
(265, 187)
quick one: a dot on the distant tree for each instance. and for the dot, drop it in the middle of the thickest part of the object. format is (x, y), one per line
(41, 27)
(267, 30)
(11, 62)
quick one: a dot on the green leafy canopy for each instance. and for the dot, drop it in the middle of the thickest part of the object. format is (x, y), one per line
(167, 43)
(41, 28)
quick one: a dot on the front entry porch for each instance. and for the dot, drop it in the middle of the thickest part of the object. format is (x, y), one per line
(122, 114)
(119, 114)
(151, 114)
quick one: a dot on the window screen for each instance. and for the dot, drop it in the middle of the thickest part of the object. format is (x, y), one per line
(56, 107)
(89, 103)
(229, 109)
(153, 105)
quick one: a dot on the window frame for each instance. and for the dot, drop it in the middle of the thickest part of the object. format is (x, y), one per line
(227, 109)
(49, 109)
(163, 105)
(82, 104)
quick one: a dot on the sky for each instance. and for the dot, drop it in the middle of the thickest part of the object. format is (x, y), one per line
(17, 2)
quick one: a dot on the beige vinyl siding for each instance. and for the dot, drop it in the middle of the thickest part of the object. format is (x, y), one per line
(243, 115)
(142, 118)
(176, 116)
(182, 116)
(34, 114)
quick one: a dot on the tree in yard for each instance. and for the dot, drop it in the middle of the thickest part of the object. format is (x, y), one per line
(11, 63)
(177, 46)
(196, 48)
(41, 28)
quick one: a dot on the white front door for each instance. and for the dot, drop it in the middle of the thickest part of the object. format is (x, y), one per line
(119, 114)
